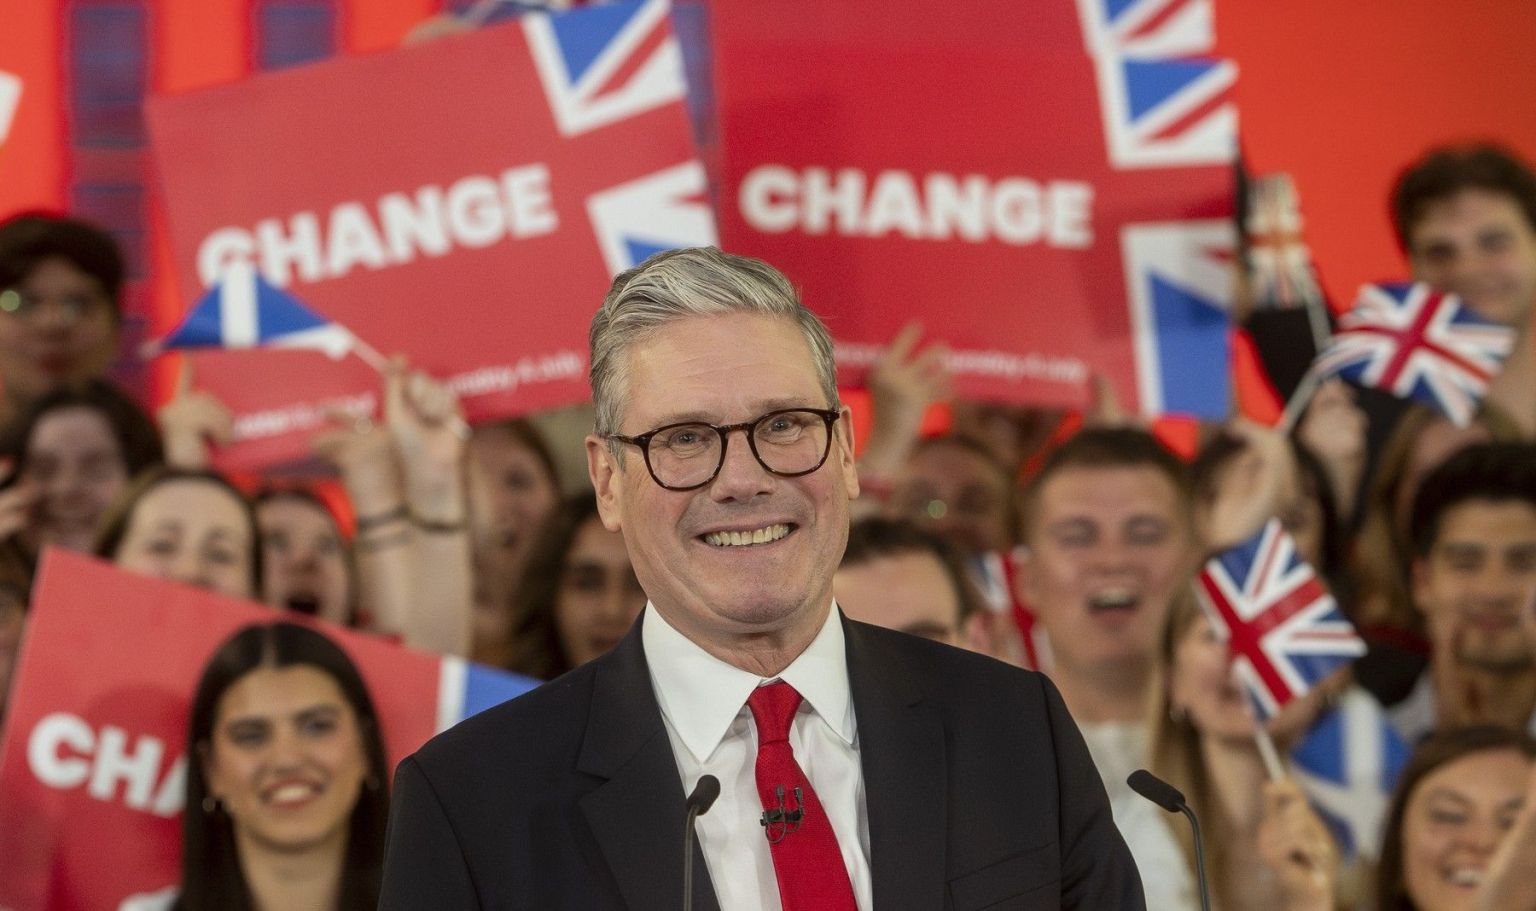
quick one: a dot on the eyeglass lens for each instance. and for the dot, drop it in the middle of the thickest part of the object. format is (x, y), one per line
(786, 442)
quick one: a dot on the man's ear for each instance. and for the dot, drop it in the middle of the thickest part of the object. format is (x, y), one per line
(607, 480)
(842, 437)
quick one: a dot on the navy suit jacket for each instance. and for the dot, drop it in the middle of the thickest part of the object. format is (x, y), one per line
(979, 790)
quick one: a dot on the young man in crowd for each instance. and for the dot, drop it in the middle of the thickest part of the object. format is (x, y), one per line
(1474, 579)
(905, 578)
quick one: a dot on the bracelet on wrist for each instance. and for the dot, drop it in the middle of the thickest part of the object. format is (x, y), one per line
(366, 524)
(432, 526)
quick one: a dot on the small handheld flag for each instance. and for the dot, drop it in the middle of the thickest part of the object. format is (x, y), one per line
(244, 310)
(1417, 343)
(1285, 631)
(1347, 764)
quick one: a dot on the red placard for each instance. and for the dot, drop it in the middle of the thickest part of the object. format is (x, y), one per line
(1046, 186)
(92, 767)
(465, 202)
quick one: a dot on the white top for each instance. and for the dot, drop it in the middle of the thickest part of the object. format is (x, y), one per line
(1118, 749)
(704, 705)
(1414, 717)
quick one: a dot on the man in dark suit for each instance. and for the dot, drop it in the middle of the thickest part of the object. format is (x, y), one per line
(859, 768)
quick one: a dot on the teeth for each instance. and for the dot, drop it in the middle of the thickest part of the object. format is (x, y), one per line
(744, 538)
(1116, 597)
(1466, 876)
(290, 792)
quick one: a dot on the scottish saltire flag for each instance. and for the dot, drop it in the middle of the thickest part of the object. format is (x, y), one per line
(1178, 285)
(244, 310)
(465, 689)
(602, 64)
(1166, 102)
(10, 99)
(1348, 764)
(1280, 269)
(1284, 630)
(1418, 343)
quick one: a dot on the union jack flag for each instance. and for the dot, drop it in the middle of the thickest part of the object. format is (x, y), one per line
(1417, 343)
(1165, 101)
(610, 62)
(658, 212)
(1284, 630)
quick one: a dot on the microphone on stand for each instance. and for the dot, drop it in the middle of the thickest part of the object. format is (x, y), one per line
(703, 797)
(1171, 799)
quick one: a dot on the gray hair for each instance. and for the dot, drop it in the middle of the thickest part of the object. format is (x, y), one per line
(695, 281)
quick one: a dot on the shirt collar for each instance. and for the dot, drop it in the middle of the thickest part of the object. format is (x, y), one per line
(700, 695)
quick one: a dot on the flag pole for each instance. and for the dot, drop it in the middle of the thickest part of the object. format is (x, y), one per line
(371, 356)
(1297, 404)
(1267, 751)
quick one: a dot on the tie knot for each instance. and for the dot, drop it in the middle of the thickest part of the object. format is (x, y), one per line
(773, 708)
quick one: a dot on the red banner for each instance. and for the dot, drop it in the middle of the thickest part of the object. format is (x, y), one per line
(1047, 186)
(92, 767)
(465, 202)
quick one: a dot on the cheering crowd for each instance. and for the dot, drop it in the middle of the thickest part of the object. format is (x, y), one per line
(1063, 542)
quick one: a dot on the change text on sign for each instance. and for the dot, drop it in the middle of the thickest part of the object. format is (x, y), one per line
(934, 206)
(470, 213)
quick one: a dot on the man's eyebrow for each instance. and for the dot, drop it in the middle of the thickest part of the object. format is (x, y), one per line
(760, 408)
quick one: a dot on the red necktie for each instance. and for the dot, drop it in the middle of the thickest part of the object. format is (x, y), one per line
(806, 858)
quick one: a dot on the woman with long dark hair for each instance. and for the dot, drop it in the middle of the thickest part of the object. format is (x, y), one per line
(286, 778)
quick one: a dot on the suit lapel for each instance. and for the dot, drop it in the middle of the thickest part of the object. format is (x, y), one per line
(637, 814)
(901, 747)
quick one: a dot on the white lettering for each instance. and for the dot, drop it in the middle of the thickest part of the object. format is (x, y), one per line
(894, 204)
(530, 209)
(44, 756)
(352, 240)
(300, 248)
(173, 790)
(768, 198)
(938, 206)
(1070, 207)
(115, 762)
(823, 197)
(222, 249)
(475, 214)
(411, 227)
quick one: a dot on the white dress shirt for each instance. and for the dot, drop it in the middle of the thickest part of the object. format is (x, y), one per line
(704, 706)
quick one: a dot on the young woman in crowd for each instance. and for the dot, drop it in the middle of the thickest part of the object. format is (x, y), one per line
(70, 453)
(1265, 849)
(189, 526)
(1461, 832)
(286, 779)
(578, 595)
(513, 487)
(307, 561)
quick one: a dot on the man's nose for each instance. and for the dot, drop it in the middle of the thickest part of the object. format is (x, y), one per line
(741, 475)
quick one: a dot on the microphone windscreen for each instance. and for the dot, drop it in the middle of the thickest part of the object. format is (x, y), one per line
(704, 793)
(1156, 790)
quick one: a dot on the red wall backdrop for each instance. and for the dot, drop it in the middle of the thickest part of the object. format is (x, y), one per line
(1343, 94)
(1340, 95)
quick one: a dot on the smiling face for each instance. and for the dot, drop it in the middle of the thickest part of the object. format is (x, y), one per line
(683, 544)
(1479, 575)
(1108, 547)
(286, 758)
(77, 466)
(304, 561)
(1453, 823)
(1201, 686)
(1478, 244)
(192, 531)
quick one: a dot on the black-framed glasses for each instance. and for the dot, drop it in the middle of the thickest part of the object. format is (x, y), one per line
(686, 456)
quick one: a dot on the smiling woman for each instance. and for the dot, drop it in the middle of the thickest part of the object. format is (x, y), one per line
(286, 790)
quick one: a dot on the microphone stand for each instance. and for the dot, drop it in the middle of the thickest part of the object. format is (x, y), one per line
(699, 802)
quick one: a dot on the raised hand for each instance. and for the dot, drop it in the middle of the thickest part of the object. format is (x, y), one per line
(1251, 488)
(191, 420)
(1296, 846)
